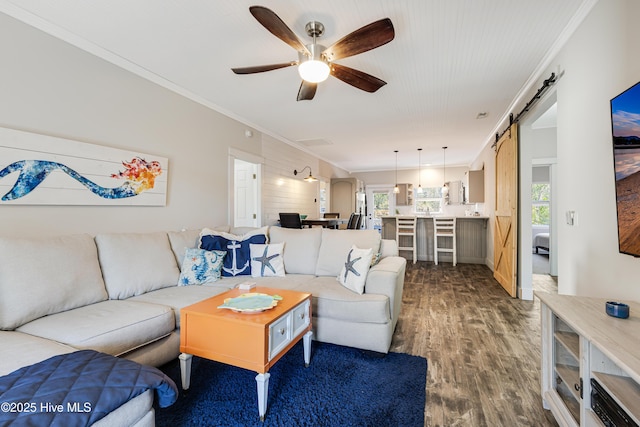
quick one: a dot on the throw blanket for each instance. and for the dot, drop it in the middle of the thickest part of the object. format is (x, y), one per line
(77, 389)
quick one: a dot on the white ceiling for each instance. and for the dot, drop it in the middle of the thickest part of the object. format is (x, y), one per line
(449, 61)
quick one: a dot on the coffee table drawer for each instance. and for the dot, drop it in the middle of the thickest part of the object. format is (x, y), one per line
(301, 318)
(280, 334)
(284, 330)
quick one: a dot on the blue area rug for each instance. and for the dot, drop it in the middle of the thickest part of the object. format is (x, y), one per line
(341, 387)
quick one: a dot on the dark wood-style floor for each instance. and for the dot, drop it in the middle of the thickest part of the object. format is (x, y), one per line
(482, 346)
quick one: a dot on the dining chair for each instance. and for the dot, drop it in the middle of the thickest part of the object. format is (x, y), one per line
(360, 221)
(290, 220)
(353, 221)
(331, 215)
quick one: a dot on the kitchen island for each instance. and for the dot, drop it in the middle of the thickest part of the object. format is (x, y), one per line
(471, 238)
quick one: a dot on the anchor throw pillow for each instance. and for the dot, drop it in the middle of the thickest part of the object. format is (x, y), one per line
(237, 262)
(266, 260)
(354, 271)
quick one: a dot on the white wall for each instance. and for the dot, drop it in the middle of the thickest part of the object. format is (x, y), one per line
(53, 88)
(599, 61)
(545, 142)
(282, 190)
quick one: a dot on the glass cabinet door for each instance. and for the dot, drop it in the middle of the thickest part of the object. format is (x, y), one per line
(566, 366)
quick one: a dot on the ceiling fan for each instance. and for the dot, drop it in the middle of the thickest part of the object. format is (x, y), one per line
(316, 62)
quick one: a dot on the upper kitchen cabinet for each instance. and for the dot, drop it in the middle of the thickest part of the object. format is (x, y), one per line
(475, 186)
(405, 196)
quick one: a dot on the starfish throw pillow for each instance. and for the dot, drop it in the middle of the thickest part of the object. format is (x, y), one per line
(267, 260)
(354, 271)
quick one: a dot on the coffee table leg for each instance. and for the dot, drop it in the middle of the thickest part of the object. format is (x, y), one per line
(306, 341)
(262, 381)
(185, 369)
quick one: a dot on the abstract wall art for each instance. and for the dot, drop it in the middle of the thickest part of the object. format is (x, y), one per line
(45, 170)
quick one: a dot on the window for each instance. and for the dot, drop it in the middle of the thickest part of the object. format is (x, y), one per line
(540, 197)
(429, 201)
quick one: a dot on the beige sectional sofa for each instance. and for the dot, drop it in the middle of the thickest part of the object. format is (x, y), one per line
(118, 293)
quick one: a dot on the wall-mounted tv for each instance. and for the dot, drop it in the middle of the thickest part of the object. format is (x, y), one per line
(625, 125)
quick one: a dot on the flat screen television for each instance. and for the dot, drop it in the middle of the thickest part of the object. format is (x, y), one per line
(625, 125)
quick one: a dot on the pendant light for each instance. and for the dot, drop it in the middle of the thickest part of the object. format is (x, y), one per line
(396, 189)
(445, 189)
(419, 171)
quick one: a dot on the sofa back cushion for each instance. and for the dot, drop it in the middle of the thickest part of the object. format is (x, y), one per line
(301, 248)
(188, 239)
(181, 241)
(336, 245)
(136, 263)
(44, 276)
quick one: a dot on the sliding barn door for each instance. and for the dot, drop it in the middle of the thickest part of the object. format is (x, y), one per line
(505, 257)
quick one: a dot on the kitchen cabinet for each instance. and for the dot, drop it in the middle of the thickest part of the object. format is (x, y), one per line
(455, 195)
(474, 190)
(405, 196)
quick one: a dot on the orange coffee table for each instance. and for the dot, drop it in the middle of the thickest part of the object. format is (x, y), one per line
(254, 341)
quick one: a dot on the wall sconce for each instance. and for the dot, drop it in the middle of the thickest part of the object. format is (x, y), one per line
(310, 178)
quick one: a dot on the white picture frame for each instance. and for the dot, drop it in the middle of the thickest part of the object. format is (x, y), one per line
(39, 169)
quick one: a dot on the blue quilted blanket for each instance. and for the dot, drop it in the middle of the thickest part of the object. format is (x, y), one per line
(77, 389)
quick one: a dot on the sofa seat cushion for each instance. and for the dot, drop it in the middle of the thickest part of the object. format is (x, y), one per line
(135, 263)
(289, 281)
(42, 276)
(19, 349)
(178, 297)
(332, 300)
(113, 327)
(336, 244)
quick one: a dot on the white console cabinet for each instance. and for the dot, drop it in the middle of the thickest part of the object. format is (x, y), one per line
(581, 342)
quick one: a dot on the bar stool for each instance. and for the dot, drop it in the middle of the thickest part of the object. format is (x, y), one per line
(406, 227)
(445, 228)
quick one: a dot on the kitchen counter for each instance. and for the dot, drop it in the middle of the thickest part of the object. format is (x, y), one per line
(471, 238)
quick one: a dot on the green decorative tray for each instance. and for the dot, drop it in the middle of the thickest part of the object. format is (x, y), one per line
(251, 302)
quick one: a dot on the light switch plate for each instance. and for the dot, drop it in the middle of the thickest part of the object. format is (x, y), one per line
(572, 218)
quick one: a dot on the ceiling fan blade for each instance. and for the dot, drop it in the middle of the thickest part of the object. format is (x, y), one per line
(366, 38)
(263, 68)
(307, 91)
(357, 78)
(278, 28)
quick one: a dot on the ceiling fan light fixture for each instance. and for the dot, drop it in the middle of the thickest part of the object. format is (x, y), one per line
(314, 68)
(313, 71)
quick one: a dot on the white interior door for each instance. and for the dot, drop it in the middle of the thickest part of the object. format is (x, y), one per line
(245, 194)
(380, 202)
